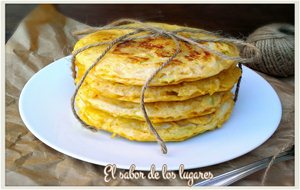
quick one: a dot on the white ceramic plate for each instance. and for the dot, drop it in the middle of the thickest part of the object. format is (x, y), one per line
(46, 110)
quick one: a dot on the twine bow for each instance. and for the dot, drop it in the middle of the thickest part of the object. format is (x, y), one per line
(154, 32)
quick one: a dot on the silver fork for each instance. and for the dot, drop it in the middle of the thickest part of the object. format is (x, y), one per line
(237, 174)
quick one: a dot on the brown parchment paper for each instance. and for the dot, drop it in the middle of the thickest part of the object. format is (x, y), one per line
(46, 35)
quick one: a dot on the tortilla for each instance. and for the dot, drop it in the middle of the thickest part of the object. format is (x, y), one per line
(169, 131)
(133, 62)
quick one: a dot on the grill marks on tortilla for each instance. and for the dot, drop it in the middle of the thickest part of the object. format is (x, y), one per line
(160, 47)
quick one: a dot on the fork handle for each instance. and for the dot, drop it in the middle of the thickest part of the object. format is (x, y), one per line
(235, 175)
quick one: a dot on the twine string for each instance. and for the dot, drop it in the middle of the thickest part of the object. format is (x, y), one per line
(154, 32)
(111, 44)
(83, 49)
(237, 88)
(284, 147)
(145, 86)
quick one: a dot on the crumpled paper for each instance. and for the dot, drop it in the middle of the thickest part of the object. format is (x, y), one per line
(45, 36)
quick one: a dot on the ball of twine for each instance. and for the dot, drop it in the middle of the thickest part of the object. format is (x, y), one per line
(276, 43)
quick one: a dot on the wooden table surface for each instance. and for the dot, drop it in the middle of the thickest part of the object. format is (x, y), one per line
(237, 20)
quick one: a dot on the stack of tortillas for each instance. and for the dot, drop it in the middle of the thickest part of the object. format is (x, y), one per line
(189, 96)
